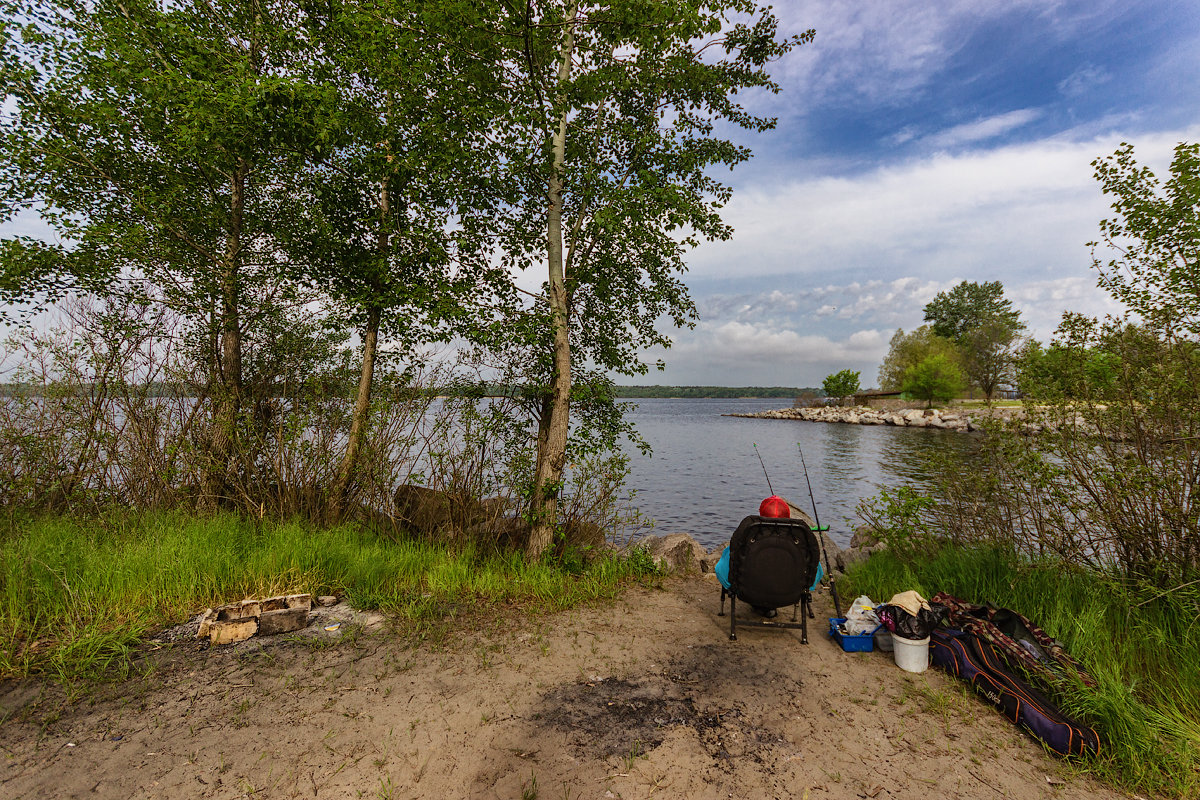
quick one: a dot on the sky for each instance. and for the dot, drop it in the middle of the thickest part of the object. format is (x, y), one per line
(920, 145)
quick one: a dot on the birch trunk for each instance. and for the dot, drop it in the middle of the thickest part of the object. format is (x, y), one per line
(366, 378)
(553, 427)
(228, 402)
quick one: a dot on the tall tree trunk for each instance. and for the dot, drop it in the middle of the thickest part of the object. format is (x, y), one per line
(555, 420)
(366, 377)
(228, 402)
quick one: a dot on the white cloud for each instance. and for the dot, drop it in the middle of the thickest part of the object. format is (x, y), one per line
(885, 53)
(1083, 80)
(1019, 213)
(984, 129)
(874, 299)
(734, 353)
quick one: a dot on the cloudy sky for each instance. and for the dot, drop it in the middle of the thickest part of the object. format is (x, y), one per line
(921, 144)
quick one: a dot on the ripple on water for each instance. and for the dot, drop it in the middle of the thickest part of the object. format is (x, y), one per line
(704, 474)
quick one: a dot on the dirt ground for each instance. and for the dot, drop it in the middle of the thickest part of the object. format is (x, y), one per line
(645, 698)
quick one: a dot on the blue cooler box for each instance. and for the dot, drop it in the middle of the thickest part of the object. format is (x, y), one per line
(863, 643)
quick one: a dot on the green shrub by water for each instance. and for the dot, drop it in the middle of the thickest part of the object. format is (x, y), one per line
(76, 595)
(1141, 644)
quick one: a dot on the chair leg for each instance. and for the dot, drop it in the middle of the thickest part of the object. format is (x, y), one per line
(794, 611)
(733, 618)
(804, 619)
(722, 611)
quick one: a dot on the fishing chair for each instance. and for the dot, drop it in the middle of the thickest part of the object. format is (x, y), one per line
(772, 564)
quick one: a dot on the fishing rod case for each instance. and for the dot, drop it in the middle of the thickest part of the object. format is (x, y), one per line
(772, 564)
(979, 662)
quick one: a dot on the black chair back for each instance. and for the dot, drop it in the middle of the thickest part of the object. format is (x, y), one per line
(772, 564)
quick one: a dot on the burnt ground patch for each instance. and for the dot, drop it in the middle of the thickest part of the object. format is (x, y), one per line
(618, 716)
(613, 717)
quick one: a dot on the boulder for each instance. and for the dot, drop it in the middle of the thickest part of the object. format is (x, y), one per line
(864, 536)
(676, 552)
(856, 555)
(849, 557)
(829, 548)
(584, 535)
(827, 543)
(421, 509)
(429, 511)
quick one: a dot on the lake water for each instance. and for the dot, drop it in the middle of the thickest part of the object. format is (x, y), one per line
(704, 476)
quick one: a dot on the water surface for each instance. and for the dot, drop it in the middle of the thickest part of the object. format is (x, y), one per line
(704, 476)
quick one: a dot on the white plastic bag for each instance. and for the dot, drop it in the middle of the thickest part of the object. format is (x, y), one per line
(861, 618)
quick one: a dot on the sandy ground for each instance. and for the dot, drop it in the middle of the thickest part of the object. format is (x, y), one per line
(646, 698)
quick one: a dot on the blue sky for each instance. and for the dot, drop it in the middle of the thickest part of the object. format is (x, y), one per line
(921, 144)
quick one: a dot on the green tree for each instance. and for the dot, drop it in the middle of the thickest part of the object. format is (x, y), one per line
(1072, 367)
(157, 140)
(390, 231)
(935, 379)
(981, 321)
(1156, 236)
(968, 306)
(988, 356)
(610, 146)
(906, 350)
(841, 384)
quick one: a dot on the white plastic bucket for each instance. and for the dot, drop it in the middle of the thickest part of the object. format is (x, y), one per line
(911, 655)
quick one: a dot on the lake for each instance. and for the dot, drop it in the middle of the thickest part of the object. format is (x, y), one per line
(704, 476)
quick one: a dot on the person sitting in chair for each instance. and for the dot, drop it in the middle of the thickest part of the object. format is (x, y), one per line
(774, 507)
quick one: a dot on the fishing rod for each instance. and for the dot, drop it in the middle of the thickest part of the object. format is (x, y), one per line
(764, 466)
(837, 604)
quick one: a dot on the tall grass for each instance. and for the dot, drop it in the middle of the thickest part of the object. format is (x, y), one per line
(1141, 645)
(77, 594)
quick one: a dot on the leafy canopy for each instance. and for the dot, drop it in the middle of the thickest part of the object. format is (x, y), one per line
(969, 306)
(841, 384)
(906, 350)
(1156, 236)
(646, 110)
(155, 140)
(935, 379)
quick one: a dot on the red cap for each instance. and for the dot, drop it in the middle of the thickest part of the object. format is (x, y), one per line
(774, 506)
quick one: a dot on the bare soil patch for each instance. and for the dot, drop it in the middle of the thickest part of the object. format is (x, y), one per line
(646, 697)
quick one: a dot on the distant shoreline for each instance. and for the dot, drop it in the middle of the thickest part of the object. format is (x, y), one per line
(714, 392)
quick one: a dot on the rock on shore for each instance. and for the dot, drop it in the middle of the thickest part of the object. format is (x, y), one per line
(945, 419)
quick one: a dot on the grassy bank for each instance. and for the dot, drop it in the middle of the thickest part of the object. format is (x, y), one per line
(76, 595)
(1142, 645)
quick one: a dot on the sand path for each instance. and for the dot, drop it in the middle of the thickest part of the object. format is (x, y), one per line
(645, 698)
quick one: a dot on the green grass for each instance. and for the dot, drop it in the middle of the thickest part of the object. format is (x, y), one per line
(1143, 650)
(971, 404)
(76, 595)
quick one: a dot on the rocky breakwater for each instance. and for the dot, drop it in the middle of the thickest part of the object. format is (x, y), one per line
(945, 419)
